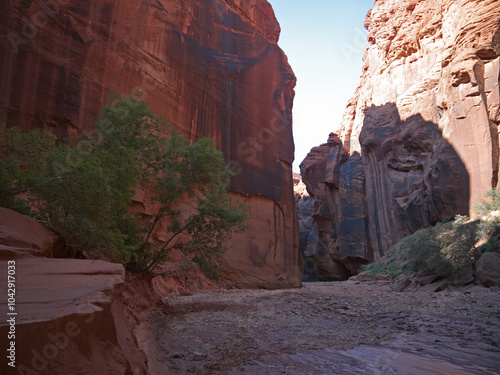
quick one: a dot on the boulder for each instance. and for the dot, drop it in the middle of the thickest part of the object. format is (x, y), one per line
(22, 236)
(488, 269)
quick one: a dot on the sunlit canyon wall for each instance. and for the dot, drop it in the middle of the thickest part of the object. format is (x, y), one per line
(419, 139)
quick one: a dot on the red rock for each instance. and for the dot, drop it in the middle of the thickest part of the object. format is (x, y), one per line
(436, 287)
(211, 68)
(307, 224)
(421, 132)
(401, 284)
(70, 319)
(488, 269)
(338, 209)
(22, 236)
(426, 280)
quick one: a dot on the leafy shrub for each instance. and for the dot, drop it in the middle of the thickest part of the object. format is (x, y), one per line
(488, 231)
(444, 250)
(389, 267)
(449, 248)
(424, 255)
(23, 166)
(82, 189)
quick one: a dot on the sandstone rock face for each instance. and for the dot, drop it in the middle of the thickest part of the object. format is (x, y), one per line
(213, 68)
(23, 236)
(419, 139)
(70, 319)
(306, 226)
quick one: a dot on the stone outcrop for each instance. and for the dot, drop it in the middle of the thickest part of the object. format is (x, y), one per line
(70, 319)
(419, 139)
(211, 68)
(306, 224)
(63, 316)
(23, 236)
(488, 269)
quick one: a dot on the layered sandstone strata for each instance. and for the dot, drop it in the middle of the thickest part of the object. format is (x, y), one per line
(419, 139)
(212, 68)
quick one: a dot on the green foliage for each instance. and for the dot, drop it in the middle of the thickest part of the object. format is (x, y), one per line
(82, 189)
(423, 253)
(198, 172)
(490, 204)
(449, 248)
(458, 244)
(488, 231)
(389, 267)
(444, 250)
(23, 165)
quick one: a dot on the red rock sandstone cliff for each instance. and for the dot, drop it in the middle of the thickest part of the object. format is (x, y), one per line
(213, 68)
(419, 139)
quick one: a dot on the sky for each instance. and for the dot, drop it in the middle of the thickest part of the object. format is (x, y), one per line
(324, 41)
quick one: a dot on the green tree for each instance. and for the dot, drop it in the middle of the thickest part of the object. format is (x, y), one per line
(23, 165)
(82, 189)
(488, 211)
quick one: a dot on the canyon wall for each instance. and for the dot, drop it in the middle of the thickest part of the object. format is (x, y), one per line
(419, 139)
(212, 68)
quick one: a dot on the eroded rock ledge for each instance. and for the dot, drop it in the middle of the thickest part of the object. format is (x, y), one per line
(69, 314)
(70, 319)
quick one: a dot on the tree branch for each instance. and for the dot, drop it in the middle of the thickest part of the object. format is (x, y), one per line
(164, 250)
(182, 267)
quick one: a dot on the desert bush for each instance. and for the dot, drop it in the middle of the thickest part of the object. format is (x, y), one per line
(488, 231)
(23, 166)
(443, 250)
(388, 266)
(82, 188)
(449, 248)
(424, 255)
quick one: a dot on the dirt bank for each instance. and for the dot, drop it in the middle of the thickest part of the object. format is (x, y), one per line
(327, 328)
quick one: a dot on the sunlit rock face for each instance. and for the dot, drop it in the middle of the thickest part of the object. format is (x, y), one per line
(419, 139)
(212, 68)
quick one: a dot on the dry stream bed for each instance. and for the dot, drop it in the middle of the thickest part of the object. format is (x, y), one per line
(326, 328)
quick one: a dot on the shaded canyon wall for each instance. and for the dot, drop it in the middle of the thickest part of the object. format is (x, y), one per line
(418, 140)
(213, 68)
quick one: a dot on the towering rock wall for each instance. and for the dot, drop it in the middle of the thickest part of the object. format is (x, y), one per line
(419, 139)
(213, 68)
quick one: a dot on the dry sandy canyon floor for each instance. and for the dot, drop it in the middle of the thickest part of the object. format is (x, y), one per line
(326, 328)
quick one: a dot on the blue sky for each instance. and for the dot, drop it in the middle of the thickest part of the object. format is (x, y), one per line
(324, 41)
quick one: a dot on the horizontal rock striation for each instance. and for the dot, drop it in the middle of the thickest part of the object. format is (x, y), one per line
(211, 68)
(419, 139)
